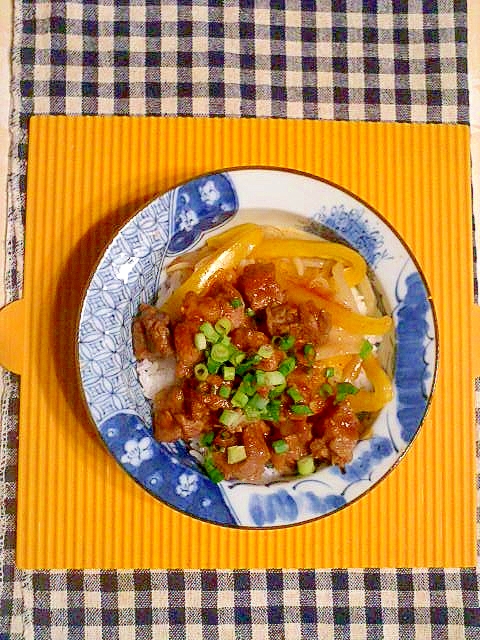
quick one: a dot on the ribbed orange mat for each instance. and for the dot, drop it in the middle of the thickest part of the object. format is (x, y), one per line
(86, 176)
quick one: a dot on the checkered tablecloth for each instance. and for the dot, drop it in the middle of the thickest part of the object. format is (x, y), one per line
(345, 59)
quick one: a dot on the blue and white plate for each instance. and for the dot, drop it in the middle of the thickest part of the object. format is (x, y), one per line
(130, 272)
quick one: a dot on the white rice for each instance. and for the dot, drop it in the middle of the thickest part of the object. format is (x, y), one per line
(157, 375)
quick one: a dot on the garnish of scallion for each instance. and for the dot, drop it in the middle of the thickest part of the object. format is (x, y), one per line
(287, 366)
(280, 446)
(209, 332)
(229, 418)
(220, 353)
(265, 351)
(236, 453)
(309, 351)
(200, 341)
(223, 326)
(301, 410)
(305, 466)
(284, 342)
(365, 349)
(295, 394)
(274, 378)
(200, 371)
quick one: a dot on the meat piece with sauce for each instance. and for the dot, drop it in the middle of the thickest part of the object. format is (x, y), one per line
(259, 286)
(257, 452)
(280, 318)
(297, 434)
(167, 405)
(185, 349)
(151, 334)
(340, 431)
(222, 300)
(305, 322)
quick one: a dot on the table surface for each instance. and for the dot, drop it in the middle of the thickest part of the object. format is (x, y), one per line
(174, 583)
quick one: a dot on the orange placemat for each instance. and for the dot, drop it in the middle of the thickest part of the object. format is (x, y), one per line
(86, 176)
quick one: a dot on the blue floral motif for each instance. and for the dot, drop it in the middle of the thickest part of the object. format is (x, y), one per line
(187, 484)
(320, 505)
(411, 365)
(359, 468)
(273, 508)
(155, 480)
(136, 451)
(355, 227)
(179, 484)
(376, 449)
(199, 206)
(380, 447)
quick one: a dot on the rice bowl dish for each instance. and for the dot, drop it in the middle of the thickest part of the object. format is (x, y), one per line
(152, 257)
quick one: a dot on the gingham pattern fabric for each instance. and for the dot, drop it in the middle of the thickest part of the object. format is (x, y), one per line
(344, 59)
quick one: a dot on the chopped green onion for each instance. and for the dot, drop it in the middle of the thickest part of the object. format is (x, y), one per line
(200, 341)
(224, 391)
(250, 312)
(236, 357)
(273, 411)
(243, 368)
(258, 402)
(278, 390)
(236, 302)
(274, 378)
(265, 351)
(285, 342)
(201, 371)
(329, 372)
(260, 378)
(301, 410)
(248, 384)
(209, 332)
(251, 413)
(326, 390)
(365, 349)
(287, 366)
(309, 351)
(228, 373)
(236, 453)
(213, 473)
(345, 389)
(223, 326)
(229, 418)
(248, 364)
(295, 394)
(220, 353)
(207, 439)
(305, 466)
(280, 446)
(213, 366)
(226, 341)
(239, 399)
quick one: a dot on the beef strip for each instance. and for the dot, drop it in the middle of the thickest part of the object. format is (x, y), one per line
(151, 334)
(252, 468)
(259, 286)
(339, 432)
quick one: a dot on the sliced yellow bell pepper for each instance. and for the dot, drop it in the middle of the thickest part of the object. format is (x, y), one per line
(225, 238)
(278, 247)
(382, 388)
(340, 315)
(223, 258)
